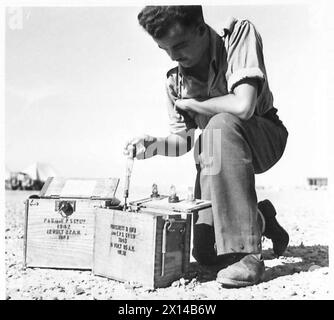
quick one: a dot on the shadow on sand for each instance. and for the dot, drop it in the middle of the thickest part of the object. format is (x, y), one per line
(296, 259)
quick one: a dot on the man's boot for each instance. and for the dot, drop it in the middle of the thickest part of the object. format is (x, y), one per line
(273, 230)
(246, 272)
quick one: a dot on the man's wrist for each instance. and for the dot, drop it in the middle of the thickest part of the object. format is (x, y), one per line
(196, 106)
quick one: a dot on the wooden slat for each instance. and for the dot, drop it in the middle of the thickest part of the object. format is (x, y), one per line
(46, 186)
(135, 266)
(157, 220)
(142, 266)
(25, 233)
(163, 204)
(56, 242)
(102, 188)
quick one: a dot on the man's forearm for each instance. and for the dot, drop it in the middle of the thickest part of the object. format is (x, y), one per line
(241, 102)
(175, 145)
(229, 103)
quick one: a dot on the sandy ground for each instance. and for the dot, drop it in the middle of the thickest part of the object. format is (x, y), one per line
(302, 273)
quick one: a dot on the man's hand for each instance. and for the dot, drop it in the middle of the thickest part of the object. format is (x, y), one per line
(187, 105)
(142, 143)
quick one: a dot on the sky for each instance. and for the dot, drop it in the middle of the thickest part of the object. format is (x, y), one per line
(81, 81)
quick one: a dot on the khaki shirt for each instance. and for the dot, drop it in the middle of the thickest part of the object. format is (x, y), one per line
(236, 54)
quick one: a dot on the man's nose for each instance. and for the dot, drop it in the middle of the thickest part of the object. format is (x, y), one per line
(173, 55)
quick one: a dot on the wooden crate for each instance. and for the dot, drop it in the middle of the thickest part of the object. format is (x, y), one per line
(58, 237)
(149, 246)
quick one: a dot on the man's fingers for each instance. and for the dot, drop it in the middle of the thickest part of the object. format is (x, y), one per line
(126, 150)
(179, 104)
(131, 142)
(139, 144)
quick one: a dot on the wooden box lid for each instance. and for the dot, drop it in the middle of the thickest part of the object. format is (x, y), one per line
(162, 203)
(81, 188)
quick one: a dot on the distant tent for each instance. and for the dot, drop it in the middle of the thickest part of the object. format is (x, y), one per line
(7, 174)
(40, 171)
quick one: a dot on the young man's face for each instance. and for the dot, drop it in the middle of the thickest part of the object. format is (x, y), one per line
(183, 44)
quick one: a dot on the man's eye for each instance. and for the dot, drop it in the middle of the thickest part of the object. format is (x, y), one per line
(182, 46)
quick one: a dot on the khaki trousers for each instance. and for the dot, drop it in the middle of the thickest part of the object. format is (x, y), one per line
(231, 151)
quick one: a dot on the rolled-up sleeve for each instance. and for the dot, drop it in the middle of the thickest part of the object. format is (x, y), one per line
(245, 56)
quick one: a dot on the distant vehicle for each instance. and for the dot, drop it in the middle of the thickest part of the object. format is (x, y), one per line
(30, 178)
(15, 183)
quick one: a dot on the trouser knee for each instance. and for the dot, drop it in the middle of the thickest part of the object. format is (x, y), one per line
(224, 121)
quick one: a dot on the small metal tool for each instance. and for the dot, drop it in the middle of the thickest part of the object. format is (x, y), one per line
(155, 192)
(128, 171)
(173, 198)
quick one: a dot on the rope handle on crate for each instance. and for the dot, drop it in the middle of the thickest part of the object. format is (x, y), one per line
(168, 224)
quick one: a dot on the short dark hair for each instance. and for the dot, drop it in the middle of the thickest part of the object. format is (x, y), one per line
(156, 20)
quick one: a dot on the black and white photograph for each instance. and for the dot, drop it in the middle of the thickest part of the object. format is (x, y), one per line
(157, 151)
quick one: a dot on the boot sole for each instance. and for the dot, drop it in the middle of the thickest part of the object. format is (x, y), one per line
(229, 283)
